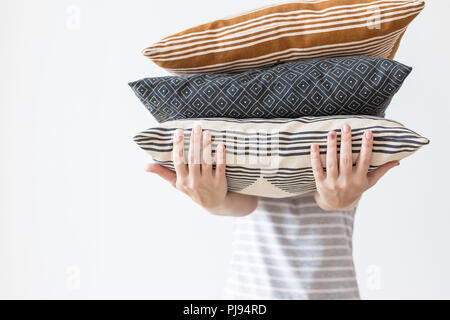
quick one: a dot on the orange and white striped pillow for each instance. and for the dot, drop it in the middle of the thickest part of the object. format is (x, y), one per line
(288, 31)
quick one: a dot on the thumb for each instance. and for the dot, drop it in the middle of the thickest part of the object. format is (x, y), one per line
(376, 175)
(163, 172)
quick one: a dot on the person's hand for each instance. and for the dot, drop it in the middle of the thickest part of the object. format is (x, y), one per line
(198, 180)
(343, 184)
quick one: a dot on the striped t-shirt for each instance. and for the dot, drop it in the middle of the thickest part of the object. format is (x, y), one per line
(291, 249)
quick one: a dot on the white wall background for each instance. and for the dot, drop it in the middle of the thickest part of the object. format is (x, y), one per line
(79, 217)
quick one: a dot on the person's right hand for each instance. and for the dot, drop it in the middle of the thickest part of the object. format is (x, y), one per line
(198, 180)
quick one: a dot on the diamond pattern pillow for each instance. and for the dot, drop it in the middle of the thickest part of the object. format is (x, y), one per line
(317, 87)
(270, 158)
(289, 31)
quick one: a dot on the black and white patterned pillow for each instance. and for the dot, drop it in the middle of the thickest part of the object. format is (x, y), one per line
(270, 158)
(328, 86)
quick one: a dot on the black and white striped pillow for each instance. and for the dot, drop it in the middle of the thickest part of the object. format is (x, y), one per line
(270, 157)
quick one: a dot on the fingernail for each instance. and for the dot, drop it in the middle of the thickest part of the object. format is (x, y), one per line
(314, 147)
(331, 135)
(206, 134)
(346, 128)
(197, 128)
(368, 134)
(178, 133)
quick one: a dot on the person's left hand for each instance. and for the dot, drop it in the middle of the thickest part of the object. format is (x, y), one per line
(343, 184)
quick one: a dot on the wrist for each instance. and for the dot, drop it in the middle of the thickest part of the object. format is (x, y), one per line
(336, 204)
(216, 209)
(235, 205)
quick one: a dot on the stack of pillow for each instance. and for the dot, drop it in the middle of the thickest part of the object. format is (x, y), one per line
(270, 82)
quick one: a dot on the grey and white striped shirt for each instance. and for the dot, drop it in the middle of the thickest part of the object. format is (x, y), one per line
(291, 249)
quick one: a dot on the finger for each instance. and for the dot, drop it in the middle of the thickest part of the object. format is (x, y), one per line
(163, 172)
(376, 175)
(220, 161)
(332, 165)
(346, 156)
(195, 151)
(206, 153)
(178, 153)
(316, 163)
(363, 162)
